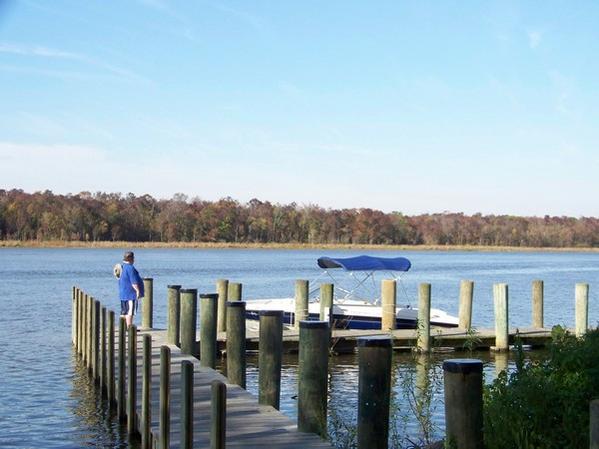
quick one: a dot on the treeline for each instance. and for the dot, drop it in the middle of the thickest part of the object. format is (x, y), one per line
(117, 217)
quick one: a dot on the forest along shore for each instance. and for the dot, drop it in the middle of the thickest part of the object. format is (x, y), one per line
(114, 217)
(247, 245)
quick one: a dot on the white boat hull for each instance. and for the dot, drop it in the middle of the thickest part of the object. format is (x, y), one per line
(349, 314)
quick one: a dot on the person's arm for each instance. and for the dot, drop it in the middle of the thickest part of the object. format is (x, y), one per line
(136, 288)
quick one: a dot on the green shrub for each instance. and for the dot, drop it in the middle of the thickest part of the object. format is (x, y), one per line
(545, 404)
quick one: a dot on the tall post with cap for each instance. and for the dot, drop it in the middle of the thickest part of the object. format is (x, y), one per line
(463, 380)
(147, 304)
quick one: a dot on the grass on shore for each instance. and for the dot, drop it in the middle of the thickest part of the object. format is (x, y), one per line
(329, 246)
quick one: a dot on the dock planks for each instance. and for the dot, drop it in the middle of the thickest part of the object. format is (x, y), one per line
(249, 424)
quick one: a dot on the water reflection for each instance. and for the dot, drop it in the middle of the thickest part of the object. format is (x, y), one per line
(417, 405)
(97, 425)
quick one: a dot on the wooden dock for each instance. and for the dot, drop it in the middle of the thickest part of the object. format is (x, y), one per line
(249, 425)
(443, 339)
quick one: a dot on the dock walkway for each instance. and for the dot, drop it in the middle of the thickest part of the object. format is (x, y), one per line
(249, 424)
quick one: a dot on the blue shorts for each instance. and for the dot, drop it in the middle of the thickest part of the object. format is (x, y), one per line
(128, 307)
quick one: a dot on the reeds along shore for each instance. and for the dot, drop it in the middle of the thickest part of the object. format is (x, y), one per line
(247, 245)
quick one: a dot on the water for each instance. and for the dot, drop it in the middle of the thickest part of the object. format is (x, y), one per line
(47, 402)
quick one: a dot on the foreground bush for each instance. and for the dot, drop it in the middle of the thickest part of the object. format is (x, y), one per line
(545, 404)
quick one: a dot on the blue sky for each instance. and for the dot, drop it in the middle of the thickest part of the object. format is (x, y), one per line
(418, 107)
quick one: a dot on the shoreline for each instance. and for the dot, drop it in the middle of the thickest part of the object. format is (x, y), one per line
(282, 246)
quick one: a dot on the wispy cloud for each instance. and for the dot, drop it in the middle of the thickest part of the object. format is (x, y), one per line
(534, 38)
(253, 20)
(51, 53)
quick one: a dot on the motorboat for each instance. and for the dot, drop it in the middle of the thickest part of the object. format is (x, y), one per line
(358, 305)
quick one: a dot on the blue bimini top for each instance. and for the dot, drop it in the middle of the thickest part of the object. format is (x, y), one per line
(366, 263)
(128, 277)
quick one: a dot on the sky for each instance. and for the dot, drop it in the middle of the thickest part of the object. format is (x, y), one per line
(410, 106)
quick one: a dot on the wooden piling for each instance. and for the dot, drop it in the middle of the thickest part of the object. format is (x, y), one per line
(103, 357)
(87, 328)
(218, 428)
(463, 380)
(222, 286)
(424, 318)
(537, 304)
(465, 311)
(146, 412)
(582, 309)
(594, 424)
(326, 303)
(374, 391)
(236, 361)
(313, 377)
(301, 301)
(388, 304)
(208, 316)
(173, 297)
(122, 379)
(131, 379)
(234, 292)
(189, 312)
(269, 357)
(110, 388)
(147, 304)
(79, 322)
(73, 316)
(96, 342)
(186, 404)
(500, 300)
(165, 397)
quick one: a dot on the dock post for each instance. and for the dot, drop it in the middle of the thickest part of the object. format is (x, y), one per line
(500, 299)
(582, 309)
(122, 380)
(269, 357)
(110, 360)
(73, 316)
(301, 301)
(326, 303)
(186, 404)
(173, 298)
(103, 351)
(79, 321)
(147, 304)
(537, 304)
(424, 317)
(189, 314)
(463, 384)
(218, 428)
(313, 377)
(374, 391)
(234, 291)
(165, 397)
(208, 316)
(594, 424)
(222, 287)
(132, 379)
(236, 342)
(388, 304)
(82, 327)
(96, 342)
(146, 412)
(465, 312)
(87, 331)
(76, 341)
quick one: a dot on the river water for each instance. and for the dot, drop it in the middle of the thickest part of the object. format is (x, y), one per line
(47, 402)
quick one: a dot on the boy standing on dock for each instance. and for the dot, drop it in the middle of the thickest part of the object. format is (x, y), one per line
(131, 286)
